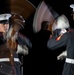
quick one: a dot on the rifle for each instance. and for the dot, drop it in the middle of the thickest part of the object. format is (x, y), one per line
(16, 24)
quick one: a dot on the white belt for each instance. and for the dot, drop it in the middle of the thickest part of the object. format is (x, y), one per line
(7, 59)
(68, 60)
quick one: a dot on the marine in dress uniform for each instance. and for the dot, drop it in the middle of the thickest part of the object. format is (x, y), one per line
(6, 68)
(63, 36)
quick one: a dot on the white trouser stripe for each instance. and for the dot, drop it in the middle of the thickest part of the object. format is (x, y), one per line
(7, 59)
(68, 60)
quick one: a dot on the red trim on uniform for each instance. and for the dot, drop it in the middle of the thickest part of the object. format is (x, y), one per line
(58, 38)
(71, 30)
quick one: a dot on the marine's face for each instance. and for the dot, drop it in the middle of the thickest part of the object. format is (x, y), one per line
(4, 27)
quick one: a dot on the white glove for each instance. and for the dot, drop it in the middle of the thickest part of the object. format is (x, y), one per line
(63, 31)
(22, 49)
(62, 55)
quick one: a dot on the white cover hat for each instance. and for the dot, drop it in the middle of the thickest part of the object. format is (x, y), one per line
(72, 6)
(62, 23)
(4, 16)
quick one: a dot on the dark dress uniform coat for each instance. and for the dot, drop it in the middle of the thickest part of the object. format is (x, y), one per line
(6, 67)
(67, 40)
